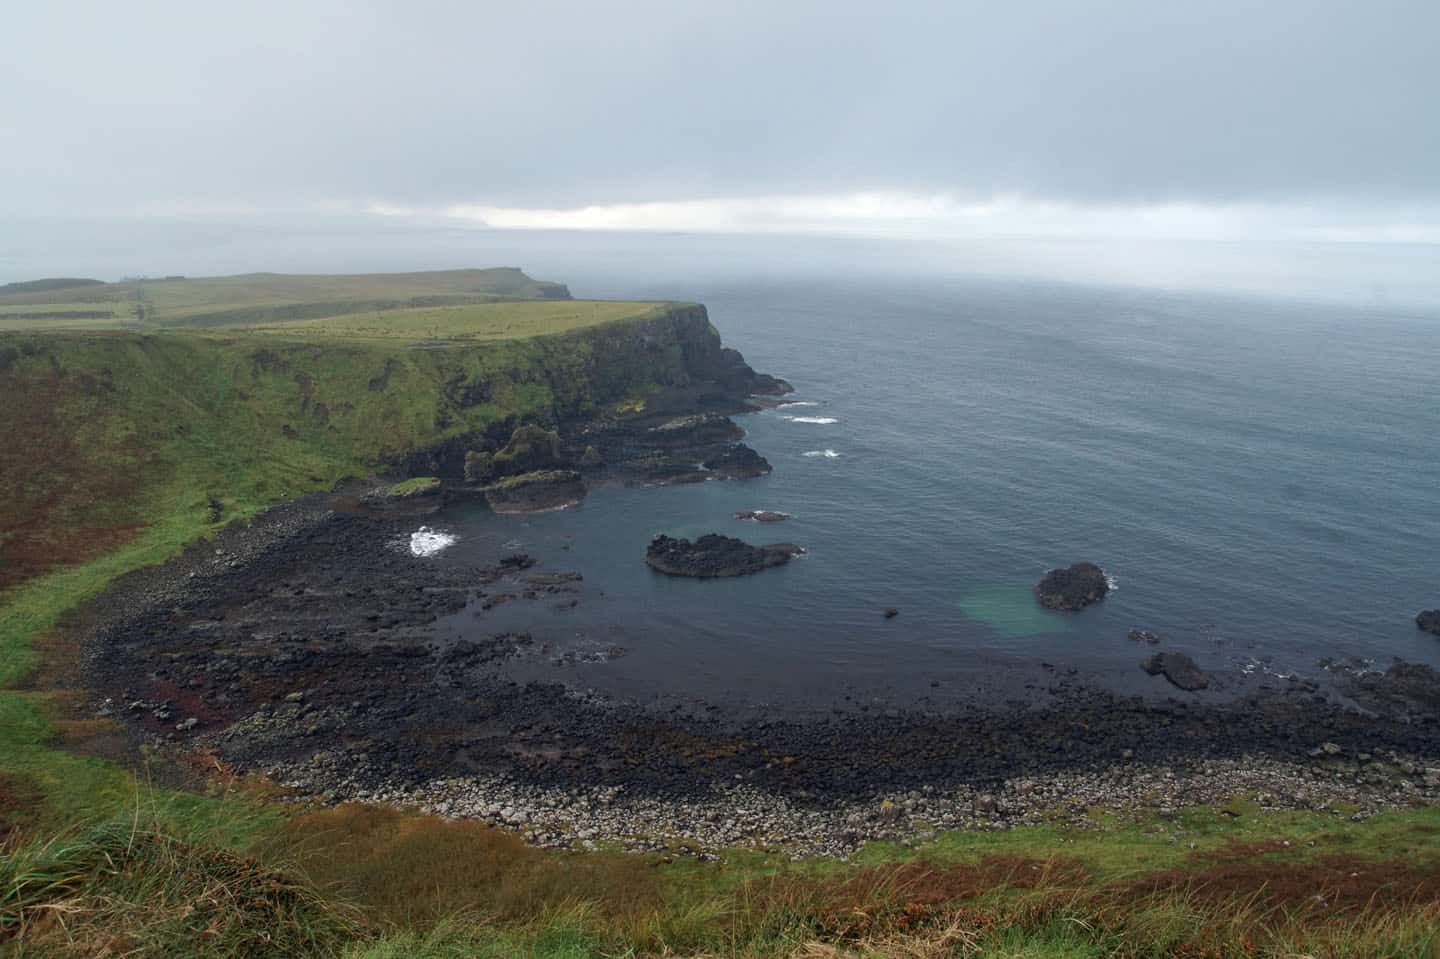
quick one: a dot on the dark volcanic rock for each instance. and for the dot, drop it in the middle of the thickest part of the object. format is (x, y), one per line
(1143, 636)
(1429, 620)
(738, 462)
(1179, 669)
(713, 555)
(1406, 686)
(1072, 588)
(762, 515)
(532, 492)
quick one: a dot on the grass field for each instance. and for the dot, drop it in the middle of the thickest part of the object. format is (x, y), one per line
(473, 322)
(258, 298)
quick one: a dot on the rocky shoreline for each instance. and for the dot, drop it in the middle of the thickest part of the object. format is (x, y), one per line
(311, 645)
(307, 646)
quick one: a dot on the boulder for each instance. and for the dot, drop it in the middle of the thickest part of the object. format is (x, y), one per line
(1073, 587)
(713, 556)
(1429, 620)
(1179, 669)
(1143, 636)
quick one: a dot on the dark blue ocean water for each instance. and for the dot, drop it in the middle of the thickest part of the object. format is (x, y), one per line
(1260, 478)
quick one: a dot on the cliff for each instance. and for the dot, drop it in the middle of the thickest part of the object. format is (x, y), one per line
(112, 433)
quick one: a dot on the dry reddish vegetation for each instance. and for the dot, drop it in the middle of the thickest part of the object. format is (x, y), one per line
(63, 491)
(884, 900)
(19, 801)
(410, 870)
(1330, 886)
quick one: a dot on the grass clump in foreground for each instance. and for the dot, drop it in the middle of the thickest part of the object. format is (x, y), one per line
(367, 882)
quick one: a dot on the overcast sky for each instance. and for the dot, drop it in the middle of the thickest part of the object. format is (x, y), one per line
(1313, 118)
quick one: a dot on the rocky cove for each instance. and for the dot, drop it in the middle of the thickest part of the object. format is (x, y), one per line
(306, 646)
(309, 645)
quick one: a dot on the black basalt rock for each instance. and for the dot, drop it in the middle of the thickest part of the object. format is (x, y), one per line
(1429, 620)
(1073, 587)
(713, 556)
(1179, 669)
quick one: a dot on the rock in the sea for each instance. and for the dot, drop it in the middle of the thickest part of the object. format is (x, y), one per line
(762, 515)
(1179, 669)
(1143, 636)
(738, 462)
(533, 492)
(1074, 587)
(1429, 620)
(891, 612)
(712, 556)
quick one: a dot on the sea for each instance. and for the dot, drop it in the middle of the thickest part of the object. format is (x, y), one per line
(1255, 466)
(1259, 478)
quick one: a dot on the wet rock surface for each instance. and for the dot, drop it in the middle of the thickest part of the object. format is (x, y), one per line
(1179, 669)
(762, 515)
(1429, 620)
(1072, 587)
(309, 646)
(713, 556)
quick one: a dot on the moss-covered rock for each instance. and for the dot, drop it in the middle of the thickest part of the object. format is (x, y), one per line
(535, 491)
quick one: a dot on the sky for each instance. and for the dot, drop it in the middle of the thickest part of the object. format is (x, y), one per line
(1291, 119)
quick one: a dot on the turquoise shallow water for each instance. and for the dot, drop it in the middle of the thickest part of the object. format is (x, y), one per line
(1259, 477)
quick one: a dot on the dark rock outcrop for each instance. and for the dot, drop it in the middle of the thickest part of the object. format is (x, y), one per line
(1429, 620)
(533, 492)
(1179, 669)
(1143, 636)
(530, 448)
(1073, 587)
(713, 556)
(738, 462)
(762, 515)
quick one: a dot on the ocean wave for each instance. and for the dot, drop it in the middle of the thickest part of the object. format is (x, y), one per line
(427, 542)
(781, 406)
(1112, 581)
(828, 454)
(820, 420)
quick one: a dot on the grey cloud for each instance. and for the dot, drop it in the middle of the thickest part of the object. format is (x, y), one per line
(120, 106)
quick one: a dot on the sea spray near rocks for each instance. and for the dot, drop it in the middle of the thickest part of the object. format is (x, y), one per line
(427, 542)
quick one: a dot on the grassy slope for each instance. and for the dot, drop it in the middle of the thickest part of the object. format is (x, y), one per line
(255, 297)
(141, 433)
(125, 447)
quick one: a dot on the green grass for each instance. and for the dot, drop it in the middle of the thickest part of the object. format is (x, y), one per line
(467, 322)
(260, 298)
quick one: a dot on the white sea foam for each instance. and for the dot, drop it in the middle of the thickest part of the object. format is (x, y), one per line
(427, 542)
(828, 454)
(821, 420)
(1112, 582)
(781, 406)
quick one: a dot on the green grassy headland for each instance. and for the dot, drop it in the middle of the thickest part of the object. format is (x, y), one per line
(142, 416)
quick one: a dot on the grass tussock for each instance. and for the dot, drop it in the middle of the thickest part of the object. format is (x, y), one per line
(121, 889)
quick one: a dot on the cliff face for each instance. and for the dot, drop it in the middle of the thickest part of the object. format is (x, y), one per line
(108, 433)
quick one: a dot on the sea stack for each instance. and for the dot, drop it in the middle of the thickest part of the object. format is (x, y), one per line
(1073, 587)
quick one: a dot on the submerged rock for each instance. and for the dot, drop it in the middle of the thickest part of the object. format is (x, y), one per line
(712, 556)
(1429, 620)
(1179, 669)
(1143, 636)
(762, 515)
(533, 492)
(1073, 587)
